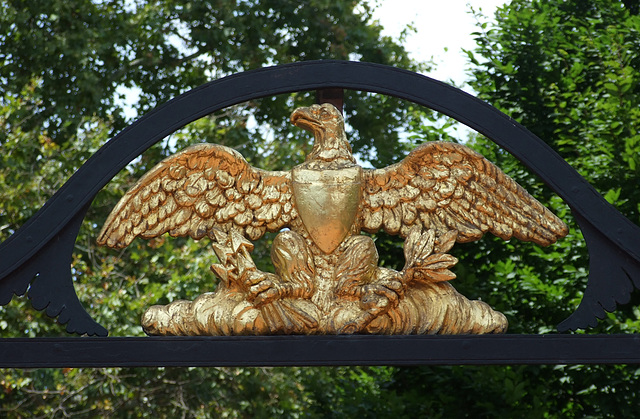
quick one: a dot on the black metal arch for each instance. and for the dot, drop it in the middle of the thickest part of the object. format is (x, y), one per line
(42, 248)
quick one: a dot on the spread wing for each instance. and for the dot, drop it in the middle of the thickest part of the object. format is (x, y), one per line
(446, 186)
(197, 189)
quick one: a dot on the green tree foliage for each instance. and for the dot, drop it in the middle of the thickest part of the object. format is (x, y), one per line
(77, 54)
(569, 70)
(570, 73)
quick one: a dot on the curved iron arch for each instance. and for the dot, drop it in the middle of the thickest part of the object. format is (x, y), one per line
(33, 254)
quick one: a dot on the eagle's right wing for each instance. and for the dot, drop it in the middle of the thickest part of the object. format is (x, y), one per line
(197, 189)
(445, 186)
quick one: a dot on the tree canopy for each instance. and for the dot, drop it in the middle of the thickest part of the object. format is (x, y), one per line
(569, 70)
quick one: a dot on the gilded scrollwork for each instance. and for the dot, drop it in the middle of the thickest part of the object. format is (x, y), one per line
(327, 279)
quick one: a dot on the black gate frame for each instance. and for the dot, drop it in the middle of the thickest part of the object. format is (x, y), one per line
(37, 257)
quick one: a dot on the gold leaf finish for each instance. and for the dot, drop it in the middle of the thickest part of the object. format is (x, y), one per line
(327, 201)
(327, 279)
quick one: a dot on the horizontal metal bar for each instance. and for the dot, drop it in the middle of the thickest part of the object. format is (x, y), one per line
(318, 350)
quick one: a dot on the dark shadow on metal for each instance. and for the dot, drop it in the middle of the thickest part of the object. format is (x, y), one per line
(319, 350)
(40, 248)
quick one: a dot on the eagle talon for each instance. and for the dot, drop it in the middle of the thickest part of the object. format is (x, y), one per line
(374, 301)
(261, 288)
(251, 279)
(380, 296)
(268, 290)
(266, 296)
(394, 285)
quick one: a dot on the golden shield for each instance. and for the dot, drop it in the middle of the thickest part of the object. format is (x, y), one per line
(327, 202)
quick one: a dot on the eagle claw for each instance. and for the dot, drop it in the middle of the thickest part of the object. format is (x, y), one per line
(261, 289)
(268, 289)
(381, 296)
(270, 294)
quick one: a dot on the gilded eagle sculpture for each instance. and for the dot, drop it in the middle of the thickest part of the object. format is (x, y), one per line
(327, 279)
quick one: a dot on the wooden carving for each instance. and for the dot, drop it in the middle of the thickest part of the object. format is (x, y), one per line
(327, 279)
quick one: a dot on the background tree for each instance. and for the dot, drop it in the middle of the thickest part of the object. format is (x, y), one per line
(568, 70)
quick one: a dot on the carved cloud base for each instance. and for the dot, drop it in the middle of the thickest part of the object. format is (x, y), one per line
(431, 309)
(360, 297)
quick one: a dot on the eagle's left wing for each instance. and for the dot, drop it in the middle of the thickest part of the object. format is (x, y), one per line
(198, 190)
(445, 186)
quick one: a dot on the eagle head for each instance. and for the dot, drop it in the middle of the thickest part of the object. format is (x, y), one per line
(327, 125)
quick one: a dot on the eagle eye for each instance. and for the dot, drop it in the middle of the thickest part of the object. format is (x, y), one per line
(324, 114)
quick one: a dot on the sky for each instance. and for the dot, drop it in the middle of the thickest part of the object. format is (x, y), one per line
(443, 27)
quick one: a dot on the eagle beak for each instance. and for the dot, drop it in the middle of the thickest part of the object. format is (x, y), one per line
(305, 118)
